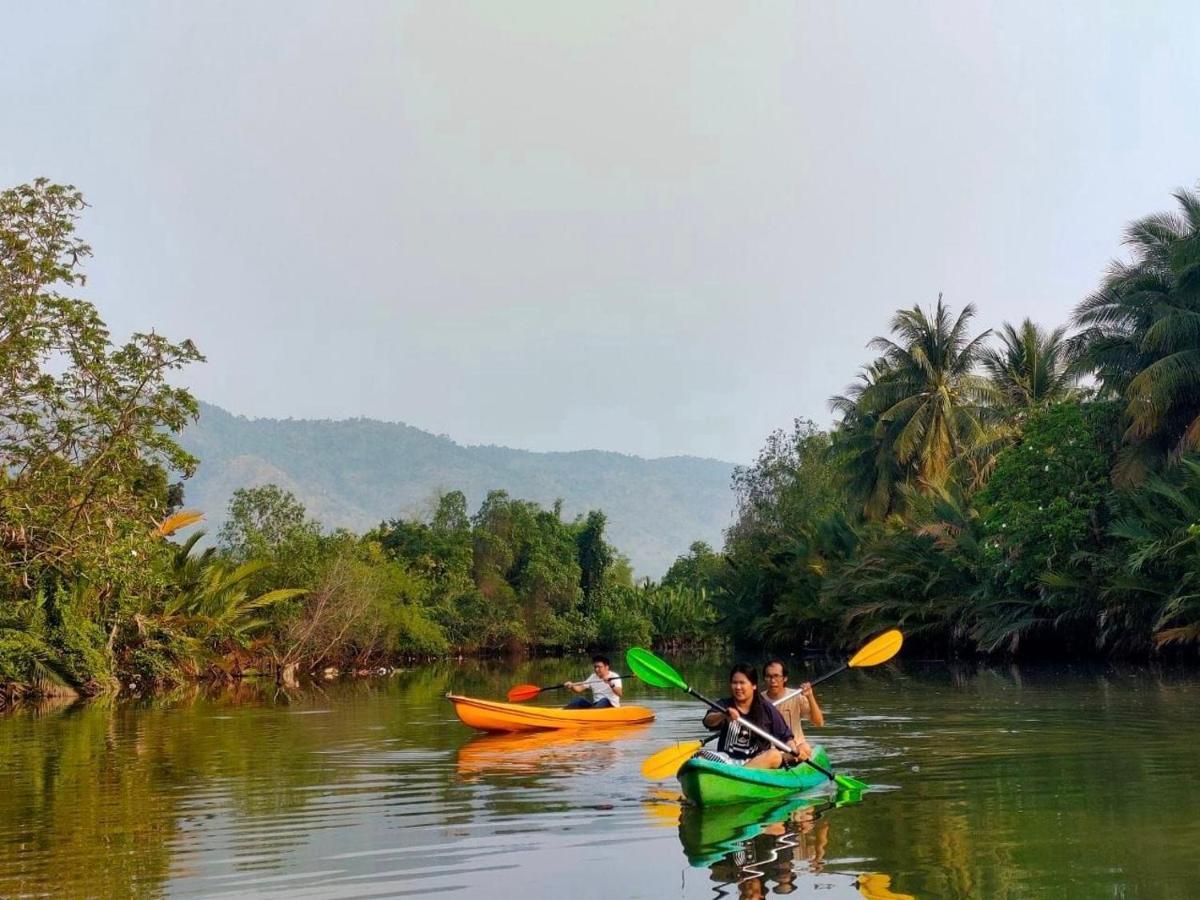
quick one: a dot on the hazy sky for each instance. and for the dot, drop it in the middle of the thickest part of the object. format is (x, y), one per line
(659, 228)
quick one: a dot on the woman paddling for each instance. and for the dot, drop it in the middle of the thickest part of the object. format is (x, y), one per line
(740, 746)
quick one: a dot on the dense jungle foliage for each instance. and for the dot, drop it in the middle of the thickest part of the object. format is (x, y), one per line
(1023, 490)
(1017, 491)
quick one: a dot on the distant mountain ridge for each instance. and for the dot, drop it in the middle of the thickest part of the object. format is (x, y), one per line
(355, 473)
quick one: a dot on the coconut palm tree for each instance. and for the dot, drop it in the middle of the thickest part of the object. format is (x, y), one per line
(930, 402)
(1030, 368)
(1141, 334)
(865, 452)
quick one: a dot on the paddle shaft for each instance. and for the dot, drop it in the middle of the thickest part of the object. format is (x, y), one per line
(754, 729)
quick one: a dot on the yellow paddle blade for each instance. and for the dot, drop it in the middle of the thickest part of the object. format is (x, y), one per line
(879, 650)
(176, 521)
(665, 763)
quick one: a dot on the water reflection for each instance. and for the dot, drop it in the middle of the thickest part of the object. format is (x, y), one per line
(1065, 782)
(559, 752)
(721, 835)
(777, 846)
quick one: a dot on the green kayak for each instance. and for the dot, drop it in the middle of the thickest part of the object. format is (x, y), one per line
(709, 783)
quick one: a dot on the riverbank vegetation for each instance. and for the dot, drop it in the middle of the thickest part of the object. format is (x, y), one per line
(99, 590)
(1020, 490)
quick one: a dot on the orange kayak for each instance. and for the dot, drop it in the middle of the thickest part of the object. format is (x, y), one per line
(488, 715)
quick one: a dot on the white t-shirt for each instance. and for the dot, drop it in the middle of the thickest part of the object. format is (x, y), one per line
(602, 688)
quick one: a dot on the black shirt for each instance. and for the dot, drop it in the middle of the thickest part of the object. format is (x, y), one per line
(741, 743)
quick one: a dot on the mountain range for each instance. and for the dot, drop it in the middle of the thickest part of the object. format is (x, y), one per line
(355, 473)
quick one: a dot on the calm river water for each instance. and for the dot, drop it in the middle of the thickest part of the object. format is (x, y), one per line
(994, 782)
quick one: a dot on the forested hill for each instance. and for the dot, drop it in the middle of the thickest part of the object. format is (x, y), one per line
(357, 472)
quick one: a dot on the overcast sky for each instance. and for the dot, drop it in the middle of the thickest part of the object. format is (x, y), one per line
(659, 228)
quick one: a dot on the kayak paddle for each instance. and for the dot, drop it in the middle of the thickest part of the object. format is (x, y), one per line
(666, 763)
(523, 692)
(658, 673)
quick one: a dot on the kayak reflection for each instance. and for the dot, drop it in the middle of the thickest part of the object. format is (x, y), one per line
(770, 847)
(538, 752)
(713, 835)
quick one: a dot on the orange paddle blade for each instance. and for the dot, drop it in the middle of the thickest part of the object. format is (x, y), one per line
(523, 692)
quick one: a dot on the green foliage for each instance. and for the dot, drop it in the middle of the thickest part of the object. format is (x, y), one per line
(790, 521)
(1141, 336)
(792, 482)
(1048, 497)
(1159, 535)
(84, 422)
(1029, 369)
(267, 522)
(680, 615)
(926, 394)
(920, 574)
(966, 496)
(595, 556)
(698, 570)
(621, 619)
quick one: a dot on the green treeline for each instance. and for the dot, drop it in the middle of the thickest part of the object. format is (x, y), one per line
(1019, 491)
(1023, 490)
(94, 595)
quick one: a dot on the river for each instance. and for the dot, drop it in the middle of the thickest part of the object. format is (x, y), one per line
(1035, 781)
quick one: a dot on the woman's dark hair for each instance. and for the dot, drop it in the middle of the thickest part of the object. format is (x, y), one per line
(604, 659)
(758, 707)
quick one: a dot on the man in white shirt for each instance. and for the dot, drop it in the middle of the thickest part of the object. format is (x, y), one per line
(604, 684)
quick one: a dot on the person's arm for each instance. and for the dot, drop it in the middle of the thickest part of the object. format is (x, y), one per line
(616, 686)
(714, 720)
(577, 686)
(814, 709)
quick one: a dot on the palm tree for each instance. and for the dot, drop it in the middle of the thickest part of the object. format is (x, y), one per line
(1141, 334)
(212, 609)
(864, 451)
(1030, 368)
(1028, 371)
(929, 399)
(1162, 543)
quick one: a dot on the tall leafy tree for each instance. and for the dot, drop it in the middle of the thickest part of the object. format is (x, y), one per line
(84, 422)
(595, 556)
(1141, 335)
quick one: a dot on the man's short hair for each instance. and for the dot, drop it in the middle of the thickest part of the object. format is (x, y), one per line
(777, 662)
(604, 659)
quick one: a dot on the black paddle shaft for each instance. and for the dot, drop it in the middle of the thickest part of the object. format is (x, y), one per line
(836, 671)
